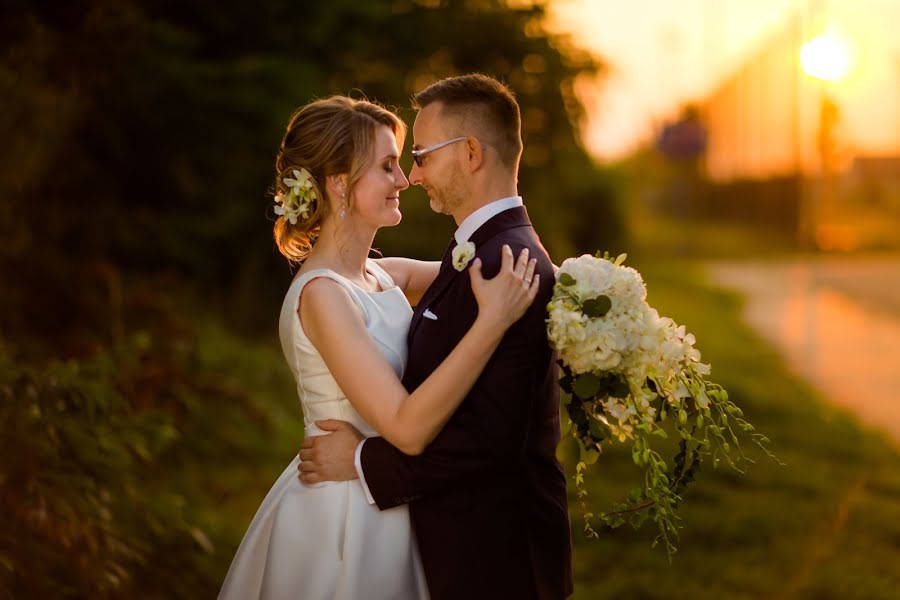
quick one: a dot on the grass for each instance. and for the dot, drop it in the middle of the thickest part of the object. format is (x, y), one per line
(652, 234)
(823, 526)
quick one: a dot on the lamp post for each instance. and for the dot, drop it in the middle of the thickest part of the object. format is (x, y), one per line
(826, 59)
(897, 64)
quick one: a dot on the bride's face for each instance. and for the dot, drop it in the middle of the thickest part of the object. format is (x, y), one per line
(377, 193)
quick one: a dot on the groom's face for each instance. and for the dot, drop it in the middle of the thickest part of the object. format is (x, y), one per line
(441, 173)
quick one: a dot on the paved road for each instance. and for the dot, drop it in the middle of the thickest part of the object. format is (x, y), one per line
(836, 320)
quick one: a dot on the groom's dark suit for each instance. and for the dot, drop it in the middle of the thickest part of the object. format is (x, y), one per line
(487, 497)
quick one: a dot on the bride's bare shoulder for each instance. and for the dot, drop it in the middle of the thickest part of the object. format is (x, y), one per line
(325, 299)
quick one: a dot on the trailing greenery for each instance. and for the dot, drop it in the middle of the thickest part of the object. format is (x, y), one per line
(624, 369)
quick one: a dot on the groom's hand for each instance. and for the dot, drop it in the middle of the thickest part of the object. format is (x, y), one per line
(330, 457)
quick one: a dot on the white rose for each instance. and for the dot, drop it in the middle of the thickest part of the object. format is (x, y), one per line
(462, 254)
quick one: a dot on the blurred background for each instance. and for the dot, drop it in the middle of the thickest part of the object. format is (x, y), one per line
(744, 153)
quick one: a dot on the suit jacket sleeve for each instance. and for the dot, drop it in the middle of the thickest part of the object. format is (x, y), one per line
(489, 431)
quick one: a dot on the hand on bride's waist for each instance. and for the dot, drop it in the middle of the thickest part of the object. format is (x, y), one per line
(329, 456)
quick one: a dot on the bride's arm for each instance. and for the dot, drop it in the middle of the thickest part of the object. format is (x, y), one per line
(334, 324)
(412, 276)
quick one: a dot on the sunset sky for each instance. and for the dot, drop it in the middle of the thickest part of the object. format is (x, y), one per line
(665, 52)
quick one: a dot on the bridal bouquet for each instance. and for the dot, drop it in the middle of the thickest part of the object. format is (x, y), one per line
(625, 371)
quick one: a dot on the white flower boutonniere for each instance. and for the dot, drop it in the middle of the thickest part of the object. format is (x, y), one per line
(462, 254)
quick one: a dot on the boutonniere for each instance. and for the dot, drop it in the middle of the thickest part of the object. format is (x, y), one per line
(462, 254)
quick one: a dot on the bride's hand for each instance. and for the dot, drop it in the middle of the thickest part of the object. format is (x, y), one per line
(504, 299)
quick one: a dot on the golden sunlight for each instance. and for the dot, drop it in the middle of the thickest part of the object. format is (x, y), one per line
(825, 57)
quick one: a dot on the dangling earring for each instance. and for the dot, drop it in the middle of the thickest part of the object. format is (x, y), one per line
(343, 212)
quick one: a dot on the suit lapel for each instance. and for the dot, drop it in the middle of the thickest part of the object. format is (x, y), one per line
(508, 219)
(445, 274)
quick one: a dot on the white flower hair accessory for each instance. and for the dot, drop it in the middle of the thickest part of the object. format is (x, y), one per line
(299, 199)
(462, 255)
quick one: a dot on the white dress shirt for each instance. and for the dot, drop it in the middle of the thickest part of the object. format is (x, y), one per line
(470, 225)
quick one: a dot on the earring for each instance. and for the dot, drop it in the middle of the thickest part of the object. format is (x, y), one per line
(343, 212)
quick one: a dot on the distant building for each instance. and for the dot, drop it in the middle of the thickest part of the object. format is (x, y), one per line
(684, 139)
(760, 120)
(780, 153)
(875, 180)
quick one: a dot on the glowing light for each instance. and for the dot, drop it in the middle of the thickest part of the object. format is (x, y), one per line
(825, 57)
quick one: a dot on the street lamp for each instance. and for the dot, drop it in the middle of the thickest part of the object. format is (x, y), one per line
(826, 58)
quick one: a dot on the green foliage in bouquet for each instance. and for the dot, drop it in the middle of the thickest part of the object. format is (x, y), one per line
(625, 372)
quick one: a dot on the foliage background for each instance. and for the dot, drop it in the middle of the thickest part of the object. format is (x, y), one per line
(145, 404)
(145, 408)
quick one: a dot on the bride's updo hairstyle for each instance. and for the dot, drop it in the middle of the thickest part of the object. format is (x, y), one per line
(331, 136)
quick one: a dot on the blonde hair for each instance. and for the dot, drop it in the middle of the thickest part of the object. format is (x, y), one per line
(331, 136)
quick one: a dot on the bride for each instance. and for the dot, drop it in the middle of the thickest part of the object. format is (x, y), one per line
(343, 330)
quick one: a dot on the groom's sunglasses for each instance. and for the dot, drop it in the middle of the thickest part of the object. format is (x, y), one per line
(417, 154)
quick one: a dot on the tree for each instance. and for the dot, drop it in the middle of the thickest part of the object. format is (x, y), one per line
(140, 137)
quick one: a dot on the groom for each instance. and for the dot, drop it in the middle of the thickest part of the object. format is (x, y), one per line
(487, 498)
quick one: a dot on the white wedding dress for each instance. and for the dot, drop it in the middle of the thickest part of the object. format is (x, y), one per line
(325, 541)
